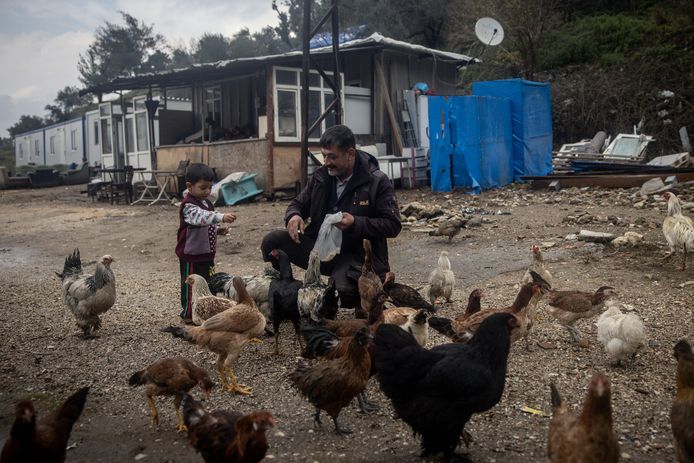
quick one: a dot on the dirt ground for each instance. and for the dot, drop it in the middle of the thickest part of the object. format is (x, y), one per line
(44, 360)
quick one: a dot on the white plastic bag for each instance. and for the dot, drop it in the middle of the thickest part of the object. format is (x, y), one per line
(329, 238)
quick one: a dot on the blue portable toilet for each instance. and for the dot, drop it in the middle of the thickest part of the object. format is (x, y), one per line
(531, 116)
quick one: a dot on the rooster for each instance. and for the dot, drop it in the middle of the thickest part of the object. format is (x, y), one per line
(258, 286)
(205, 305)
(588, 437)
(621, 334)
(174, 376)
(315, 299)
(682, 411)
(225, 334)
(43, 439)
(88, 296)
(223, 436)
(678, 229)
(441, 280)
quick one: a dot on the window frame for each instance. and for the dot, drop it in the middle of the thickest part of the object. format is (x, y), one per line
(51, 144)
(21, 150)
(323, 89)
(96, 132)
(136, 138)
(73, 140)
(37, 148)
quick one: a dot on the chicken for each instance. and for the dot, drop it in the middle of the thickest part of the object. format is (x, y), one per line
(42, 440)
(405, 296)
(174, 376)
(224, 436)
(445, 325)
(370, 286)
(88, 296)
(449, 228)
(464, 329)
(621, 334)
(441, 280)
(283, 297)
(205, 305)
(258, 286)
(537, 265)
(226, 333)
(413, 321)
(436, 391)
(344, 328)
(331, 385)
(682, 411)
(314, 299)
(588, 437)
(678, 229)
(567, 307)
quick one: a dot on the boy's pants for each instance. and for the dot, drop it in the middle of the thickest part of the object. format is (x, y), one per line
(204, 269)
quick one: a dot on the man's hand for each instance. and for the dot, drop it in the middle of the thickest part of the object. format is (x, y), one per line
(295, 227)
(346, 222)
(228, 218)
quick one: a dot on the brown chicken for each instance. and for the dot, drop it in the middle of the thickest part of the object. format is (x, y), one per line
(682, 412)
(331, 385)
(42, 440)
(224, 436)
(445, 325)
(226, 333)
(567, 307)
(171, 376)
(205, 305)
(349, 327)
(405, 296)
(588, 437)
(464, 329)
(370, 286)
(449, 228)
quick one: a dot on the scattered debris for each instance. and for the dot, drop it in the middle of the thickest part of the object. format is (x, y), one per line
(630, 238)
(595, 237)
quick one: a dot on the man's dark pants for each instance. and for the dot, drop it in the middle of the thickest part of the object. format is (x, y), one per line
(344, 268)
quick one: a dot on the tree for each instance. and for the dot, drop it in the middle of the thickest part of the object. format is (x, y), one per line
(211, 48)
(68, 104)
(26, 123)
(180, 58)
(119, 51)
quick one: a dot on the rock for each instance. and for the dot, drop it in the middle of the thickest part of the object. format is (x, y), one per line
(548, 244)
(595, 237)
(686, 283)
(587, 218)
(640, 205)
(475, 222)
(652, 186)
(571, 237)
(413, 208)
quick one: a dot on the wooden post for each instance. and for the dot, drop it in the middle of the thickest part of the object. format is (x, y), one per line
(385, 94)
(270, 134)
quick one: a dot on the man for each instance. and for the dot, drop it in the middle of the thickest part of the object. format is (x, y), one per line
(349, 182)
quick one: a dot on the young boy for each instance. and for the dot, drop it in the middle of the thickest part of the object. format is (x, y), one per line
(197, 232)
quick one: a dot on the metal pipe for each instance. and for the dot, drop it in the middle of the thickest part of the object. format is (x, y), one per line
(306, 42)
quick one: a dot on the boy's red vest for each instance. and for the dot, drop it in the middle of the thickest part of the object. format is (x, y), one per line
(196, 243)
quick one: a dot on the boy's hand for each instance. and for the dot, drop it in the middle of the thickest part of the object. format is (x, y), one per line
(222, 230)
(228, 218)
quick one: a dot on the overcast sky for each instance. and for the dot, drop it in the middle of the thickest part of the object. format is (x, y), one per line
(40, 40)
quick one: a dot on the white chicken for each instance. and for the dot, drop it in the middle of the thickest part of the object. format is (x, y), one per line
(88, 296)
(441, 280)
(316, 300)
(205, 305)
(678, 229)
(622, 334)
(537, 265)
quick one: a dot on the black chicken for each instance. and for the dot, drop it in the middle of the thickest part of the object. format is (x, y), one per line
(436, 391)
(283, 296)
(405, 296)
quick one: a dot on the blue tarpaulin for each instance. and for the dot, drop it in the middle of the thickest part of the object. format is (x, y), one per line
(531, 121)
(470, 142)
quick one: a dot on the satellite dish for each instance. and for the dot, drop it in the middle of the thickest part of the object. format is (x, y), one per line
(489, 31)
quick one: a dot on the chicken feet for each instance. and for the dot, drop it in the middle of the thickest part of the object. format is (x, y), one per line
(365, 405)
(153, 408)
(576, 336)
(228, 379)
(338, 430)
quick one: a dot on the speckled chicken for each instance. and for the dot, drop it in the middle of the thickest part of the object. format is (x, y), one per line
(682, 411)
(678, 229)
(567, 307)
(588, 437)
(441, 280)
(205, 305)
(88, 296)
(225, 334)
(174, 376)
(314, 298)
(258, 286)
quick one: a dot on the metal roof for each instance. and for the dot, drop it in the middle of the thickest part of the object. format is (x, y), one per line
(238, 66)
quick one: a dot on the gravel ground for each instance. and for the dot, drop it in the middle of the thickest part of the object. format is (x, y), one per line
(44, 360)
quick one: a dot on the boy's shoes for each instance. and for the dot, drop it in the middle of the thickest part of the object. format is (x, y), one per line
(187, 321)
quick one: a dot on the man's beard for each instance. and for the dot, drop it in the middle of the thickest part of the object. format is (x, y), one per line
(332, 172)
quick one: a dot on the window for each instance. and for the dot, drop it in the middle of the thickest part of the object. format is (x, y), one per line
(73, 139)
(213, 106)
(37, 150)
(21, 150)
(288, 103)
(129, 135)
(51, 144)
(96, 132)
(106, 147)
(141, 127)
